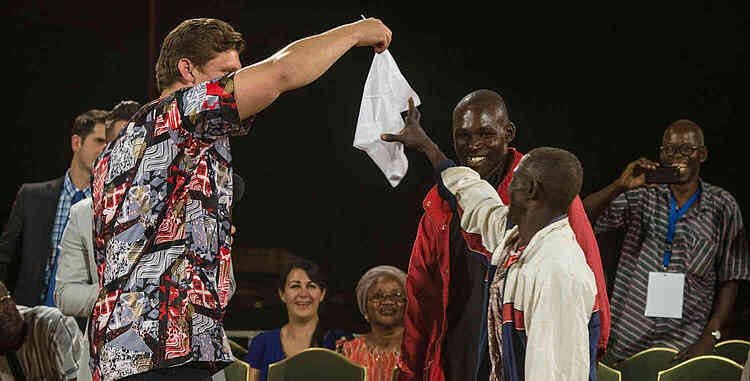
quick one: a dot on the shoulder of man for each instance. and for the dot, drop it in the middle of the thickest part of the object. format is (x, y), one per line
(568, 254)
(723, 195)
(46, 188)
(83, 206)
(434, 205)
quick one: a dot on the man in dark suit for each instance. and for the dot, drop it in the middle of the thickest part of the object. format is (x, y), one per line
(28, 247)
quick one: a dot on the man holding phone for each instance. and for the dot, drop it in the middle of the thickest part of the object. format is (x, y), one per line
(684, 252)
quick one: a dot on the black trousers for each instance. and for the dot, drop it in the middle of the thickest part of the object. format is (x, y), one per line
(177, 373)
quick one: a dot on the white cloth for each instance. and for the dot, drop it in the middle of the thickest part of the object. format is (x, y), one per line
(386, 95)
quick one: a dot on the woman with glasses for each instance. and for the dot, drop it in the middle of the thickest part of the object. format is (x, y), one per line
(302, 287)
(382, 301)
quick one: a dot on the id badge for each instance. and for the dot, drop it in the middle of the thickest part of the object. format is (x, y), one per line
(665, 295)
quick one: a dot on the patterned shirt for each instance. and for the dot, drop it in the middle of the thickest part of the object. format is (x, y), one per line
(162, 196)
(68, 196)
(709, 247)
(379, 364)
(52, 347)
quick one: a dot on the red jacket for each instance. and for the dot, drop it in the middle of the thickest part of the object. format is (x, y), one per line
(428, 279)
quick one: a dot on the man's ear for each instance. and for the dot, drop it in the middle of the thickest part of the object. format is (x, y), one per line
(703, 154)
(186, 70)
(534, 188)
(510, 132)
(75, 143)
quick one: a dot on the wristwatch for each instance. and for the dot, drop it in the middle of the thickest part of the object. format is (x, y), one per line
(716, 334)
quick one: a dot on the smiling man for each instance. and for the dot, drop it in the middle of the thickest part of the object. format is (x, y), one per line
(162, 198)
(692, 231)
(450, 271)
(543, 322)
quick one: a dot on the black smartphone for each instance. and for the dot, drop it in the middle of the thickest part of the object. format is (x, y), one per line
(659, 175)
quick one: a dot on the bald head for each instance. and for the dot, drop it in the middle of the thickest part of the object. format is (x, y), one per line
(482, 132)
(485, 99)
(685, 127)
(558, 172)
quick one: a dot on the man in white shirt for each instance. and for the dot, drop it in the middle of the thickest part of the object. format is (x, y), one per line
(543, 320)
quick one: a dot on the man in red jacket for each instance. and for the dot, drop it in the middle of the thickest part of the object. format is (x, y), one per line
(445, 335)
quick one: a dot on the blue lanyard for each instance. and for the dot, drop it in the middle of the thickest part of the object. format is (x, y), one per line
(675, 215)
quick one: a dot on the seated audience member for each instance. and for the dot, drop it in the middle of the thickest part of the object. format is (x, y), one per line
(302, 287)
(37, 343)
(543, 322)
(40, 212)
(690, 228)
(381, 296)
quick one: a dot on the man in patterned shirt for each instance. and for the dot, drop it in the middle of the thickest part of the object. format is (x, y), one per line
(692, 228)
(28, 247)
(162, 198)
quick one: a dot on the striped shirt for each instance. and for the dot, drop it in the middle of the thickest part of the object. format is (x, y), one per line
(709, 247)
(52, 347)
(67, 199)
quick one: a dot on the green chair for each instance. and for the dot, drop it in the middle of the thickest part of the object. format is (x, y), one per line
(735, 350)
(703, 368)
(237, 350)
(645, 365)
(237, 371)
(605, 373)
(316, 364)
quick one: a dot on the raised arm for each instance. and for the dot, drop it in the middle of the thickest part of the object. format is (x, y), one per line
(596, 203)
(302, 62)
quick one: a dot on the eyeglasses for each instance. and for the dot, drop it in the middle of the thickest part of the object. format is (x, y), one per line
(683, 149)
(5, 297)
(396, 297)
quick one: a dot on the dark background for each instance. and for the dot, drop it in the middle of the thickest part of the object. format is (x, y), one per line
(602, 80)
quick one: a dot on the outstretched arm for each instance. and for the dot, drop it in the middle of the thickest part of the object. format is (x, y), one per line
(302, 62)
(481, 209)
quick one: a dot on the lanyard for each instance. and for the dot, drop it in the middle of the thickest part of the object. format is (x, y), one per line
(674, 215)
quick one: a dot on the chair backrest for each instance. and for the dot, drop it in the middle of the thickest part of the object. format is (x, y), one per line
(703, 368)
(605, 373)
(735, 350)
(316, 364)
(237, 371)
(237, 350)
(645, 365)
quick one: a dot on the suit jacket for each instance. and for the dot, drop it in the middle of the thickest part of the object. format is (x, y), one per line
(26, 244)
(76, 280)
